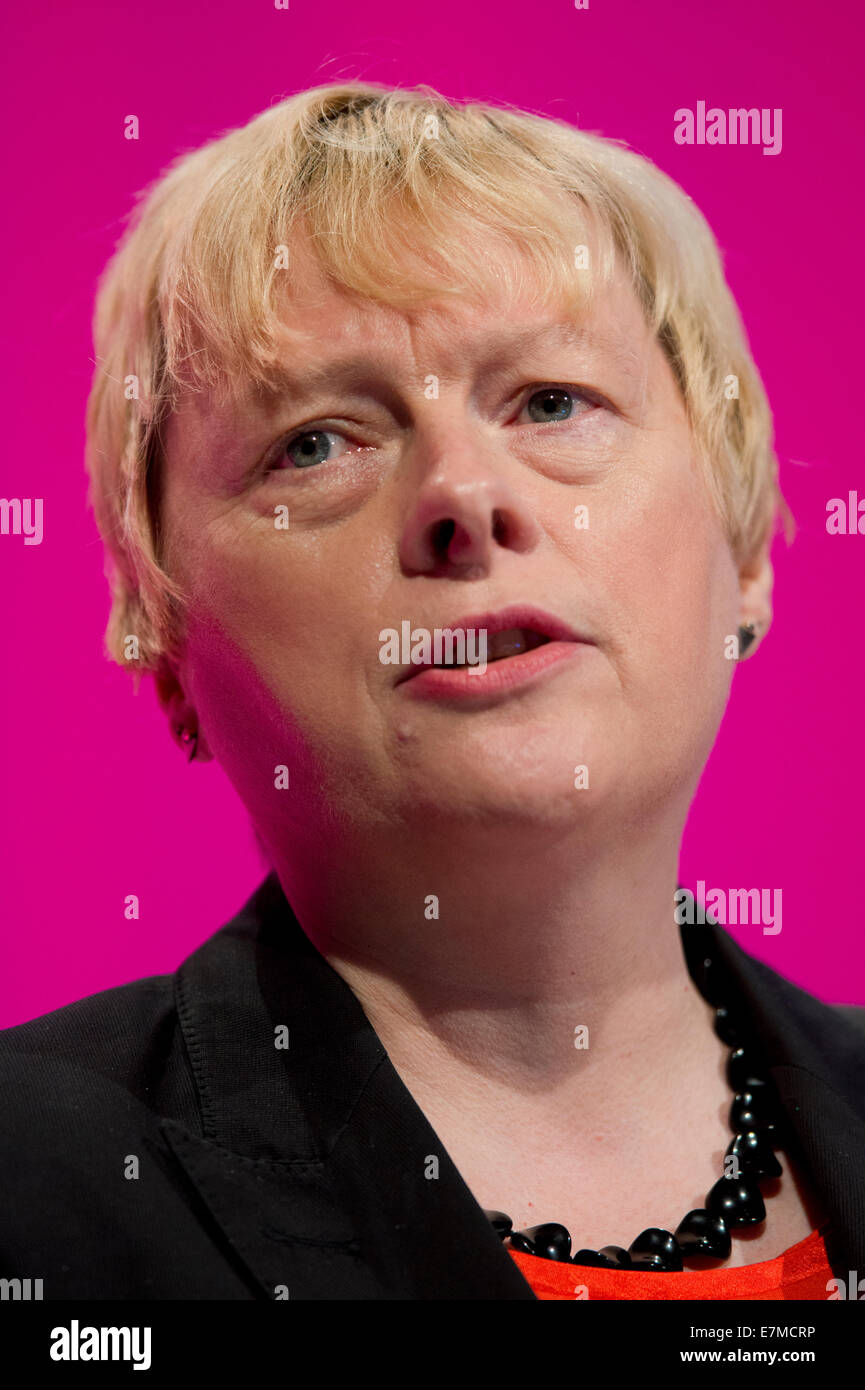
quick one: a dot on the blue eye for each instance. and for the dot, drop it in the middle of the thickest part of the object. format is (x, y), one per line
(551, 404)
(309, 447)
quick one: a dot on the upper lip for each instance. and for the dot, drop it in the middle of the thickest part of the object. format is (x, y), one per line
(519, 615)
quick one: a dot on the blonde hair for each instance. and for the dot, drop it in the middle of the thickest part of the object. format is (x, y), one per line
(393, 186)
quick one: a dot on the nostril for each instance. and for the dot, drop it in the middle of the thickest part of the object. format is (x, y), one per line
(442, 534)
(499, 527)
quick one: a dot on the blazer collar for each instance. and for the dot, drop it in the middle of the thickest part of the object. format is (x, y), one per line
(815, 1057)
(318, 1166)
(316, 1162)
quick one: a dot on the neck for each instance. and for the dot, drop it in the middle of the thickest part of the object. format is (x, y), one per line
(476, 957)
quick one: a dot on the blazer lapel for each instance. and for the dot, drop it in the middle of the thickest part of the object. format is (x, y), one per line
(316, 1164)
(815, 1056)
(278, 1222)
(325, 1180)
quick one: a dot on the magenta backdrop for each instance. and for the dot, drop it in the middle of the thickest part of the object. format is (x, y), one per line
(99, 802)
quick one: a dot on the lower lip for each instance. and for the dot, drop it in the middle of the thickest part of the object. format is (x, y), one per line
(510, 673)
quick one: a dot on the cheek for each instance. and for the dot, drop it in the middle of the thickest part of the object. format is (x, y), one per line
(276, 625)
(261, 587)
(674, 552)
(669, 592)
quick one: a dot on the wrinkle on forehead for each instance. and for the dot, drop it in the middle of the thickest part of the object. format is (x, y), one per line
(332, 337)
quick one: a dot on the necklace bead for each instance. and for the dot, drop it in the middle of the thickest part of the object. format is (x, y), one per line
(701, 1233)
(734, 1201)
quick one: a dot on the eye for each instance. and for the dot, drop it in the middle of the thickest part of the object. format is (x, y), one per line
(305, 449)
(556, 403)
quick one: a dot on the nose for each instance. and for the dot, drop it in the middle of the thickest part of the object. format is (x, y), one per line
(464, 509)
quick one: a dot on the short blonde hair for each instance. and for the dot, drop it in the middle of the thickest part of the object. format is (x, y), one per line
(393, 186)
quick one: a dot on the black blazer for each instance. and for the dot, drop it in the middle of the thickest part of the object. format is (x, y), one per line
(266, 1172)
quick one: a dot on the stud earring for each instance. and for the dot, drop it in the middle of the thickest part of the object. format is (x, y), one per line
(747, 635)
(189, 740)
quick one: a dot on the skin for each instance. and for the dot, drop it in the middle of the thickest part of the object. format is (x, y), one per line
(556, 905)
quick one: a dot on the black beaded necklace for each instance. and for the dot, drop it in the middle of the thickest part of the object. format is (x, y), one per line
(756, 1120)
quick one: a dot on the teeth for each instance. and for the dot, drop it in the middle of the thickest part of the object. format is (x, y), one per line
(503, 644)
(512, 643)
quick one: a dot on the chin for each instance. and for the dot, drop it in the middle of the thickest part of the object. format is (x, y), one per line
(501, 793)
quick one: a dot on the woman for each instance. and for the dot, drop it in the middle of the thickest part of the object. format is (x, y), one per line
(464, 670)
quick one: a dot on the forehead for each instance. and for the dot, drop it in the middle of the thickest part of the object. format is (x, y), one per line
(329, 339)
(323, 326)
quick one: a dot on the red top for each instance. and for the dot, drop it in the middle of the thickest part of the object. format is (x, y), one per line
(802, 1272)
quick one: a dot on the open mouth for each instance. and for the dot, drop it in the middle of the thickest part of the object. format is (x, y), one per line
(471, 645)
(500, 645)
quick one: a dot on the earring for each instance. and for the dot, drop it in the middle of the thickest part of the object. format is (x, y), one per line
(747, 635)
(189, 740)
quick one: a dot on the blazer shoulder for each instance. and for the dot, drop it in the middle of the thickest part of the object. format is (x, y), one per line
(798, 1027)
(85, 1091)
(853, 1013)
(844, 1022)
(100, 1027)
(106, 1051)
(109, 1050)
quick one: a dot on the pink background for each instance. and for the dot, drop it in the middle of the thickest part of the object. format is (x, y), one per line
(99, 802)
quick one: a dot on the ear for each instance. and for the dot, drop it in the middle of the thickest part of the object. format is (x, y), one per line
(756, 578)
(182, 716)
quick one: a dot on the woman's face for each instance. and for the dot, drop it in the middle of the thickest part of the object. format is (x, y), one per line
(442, 480)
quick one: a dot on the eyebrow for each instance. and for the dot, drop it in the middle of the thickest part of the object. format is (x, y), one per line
(492, 347)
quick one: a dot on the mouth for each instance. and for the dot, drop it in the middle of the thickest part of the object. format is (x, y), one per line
(513, 641)
(510, 633)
